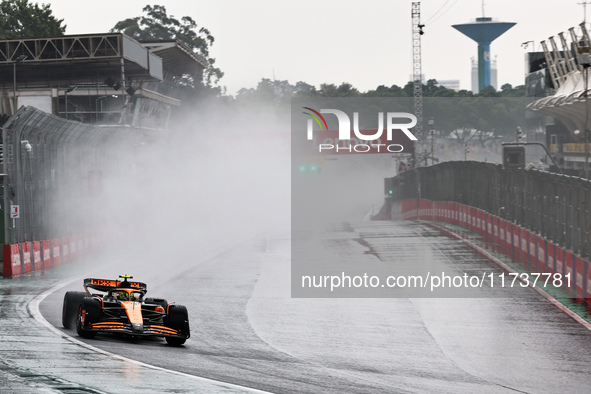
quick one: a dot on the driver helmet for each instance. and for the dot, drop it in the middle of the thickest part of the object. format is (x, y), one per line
(123, 296)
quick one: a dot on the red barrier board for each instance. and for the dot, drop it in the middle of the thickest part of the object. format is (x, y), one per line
(502, 237)
(516, 232)
(450, 212)
(37, 256)
(524, 238)
(550, 261)
(542, 267)
(467, 217)
(12, 260)
(464, 222)
(477, 224)
(489, 226)
(413, 209)
(588, 281)
(72, 249)
(421, 209)
(27, 265)
(482, 216)
(559, 260)
(80, 245)
(533, 246)
(46, 246)
(65, 250)
(569, 272)
(496, 233)
(580, 275)
(56, 253)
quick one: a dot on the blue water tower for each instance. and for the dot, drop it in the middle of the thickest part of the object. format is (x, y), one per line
(484, 31)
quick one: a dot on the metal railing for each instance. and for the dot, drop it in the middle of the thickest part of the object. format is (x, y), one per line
(557, 207)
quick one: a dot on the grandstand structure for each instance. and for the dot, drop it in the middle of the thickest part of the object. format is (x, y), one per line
(103, 79)
(568, 73)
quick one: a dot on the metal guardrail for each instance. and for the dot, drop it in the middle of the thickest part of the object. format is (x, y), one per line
(557, 207)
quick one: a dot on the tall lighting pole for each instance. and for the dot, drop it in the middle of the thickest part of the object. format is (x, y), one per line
(17, 60)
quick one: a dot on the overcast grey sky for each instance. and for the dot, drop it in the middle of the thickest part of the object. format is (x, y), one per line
(366, 43)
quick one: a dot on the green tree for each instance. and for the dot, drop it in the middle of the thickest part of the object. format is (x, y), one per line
(384, 91)
(156, 24)
(19, 18)
(509, 91)
(268, 91)
(488, 91)
(304, 89)
(343, 90)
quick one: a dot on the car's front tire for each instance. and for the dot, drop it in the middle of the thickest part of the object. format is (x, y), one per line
(72, 300)
(178, 319)
(89, 312)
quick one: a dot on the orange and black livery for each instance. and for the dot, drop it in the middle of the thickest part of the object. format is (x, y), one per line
(121, 308)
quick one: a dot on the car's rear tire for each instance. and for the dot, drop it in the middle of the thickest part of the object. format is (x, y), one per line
(178, 319)
(72, 300)
(92, 313)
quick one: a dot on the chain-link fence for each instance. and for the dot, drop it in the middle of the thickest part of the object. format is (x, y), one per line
(55, 172)
(555, 206)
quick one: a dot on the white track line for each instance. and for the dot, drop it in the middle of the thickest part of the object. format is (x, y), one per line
(33, 308)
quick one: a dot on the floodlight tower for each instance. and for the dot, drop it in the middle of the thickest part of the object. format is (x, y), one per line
(417, 32)
(484, 31)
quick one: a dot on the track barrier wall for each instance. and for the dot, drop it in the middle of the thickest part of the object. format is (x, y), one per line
(554, 206)
(532, 252)
(57, 171)
(36, 256)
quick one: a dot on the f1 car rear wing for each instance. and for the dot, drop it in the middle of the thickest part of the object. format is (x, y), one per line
(108, 284)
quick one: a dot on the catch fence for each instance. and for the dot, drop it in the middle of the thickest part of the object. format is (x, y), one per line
(556, 207)
(54, 178)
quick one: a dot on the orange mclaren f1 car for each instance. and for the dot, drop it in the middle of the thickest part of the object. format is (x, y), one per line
(122, 309)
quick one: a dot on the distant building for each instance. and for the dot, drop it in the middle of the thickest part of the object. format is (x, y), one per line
(447, 83)
(453, 84)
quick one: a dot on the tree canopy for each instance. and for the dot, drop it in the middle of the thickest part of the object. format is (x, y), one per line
(19, 18)
(156, 24)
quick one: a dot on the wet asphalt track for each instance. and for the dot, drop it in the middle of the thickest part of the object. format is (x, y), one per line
(246, 329)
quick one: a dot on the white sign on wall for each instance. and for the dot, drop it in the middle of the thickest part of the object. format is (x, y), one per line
(14, 212)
